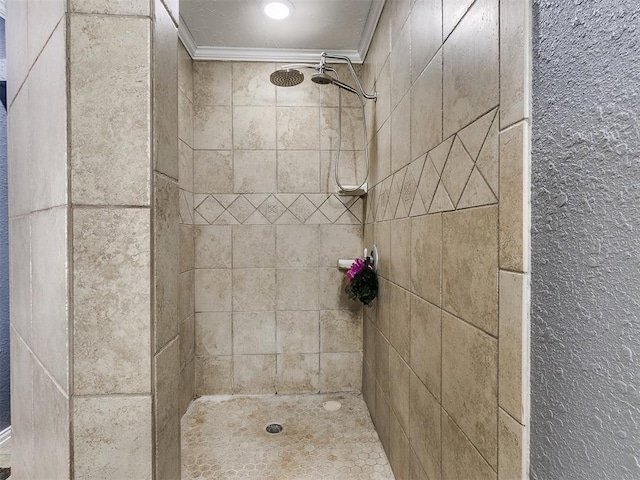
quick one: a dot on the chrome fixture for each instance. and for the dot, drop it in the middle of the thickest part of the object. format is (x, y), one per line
(290, 76)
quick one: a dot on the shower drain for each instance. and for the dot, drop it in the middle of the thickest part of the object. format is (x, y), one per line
(274, 428)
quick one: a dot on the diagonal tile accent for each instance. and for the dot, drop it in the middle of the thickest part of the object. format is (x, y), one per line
(456, 171)
(256, 199)
(357, 209)
(210, 209)
(409, 188)
(241, 209)
(394, 194)
(440, 153)
(418, 207)
(226, 219)
(271, 208)
(288, 218)
(287, 198)
(225, 199)
(257, 218)
(302, 208)
(332, 208)
(473, 136)
(199, 219)
(347, 218)
(317, 198)
(186, 208)
(477, 192)
(441, 201)
(428, 183)
(383, 199)
(489, 159)
(198, 198)
(317, 218)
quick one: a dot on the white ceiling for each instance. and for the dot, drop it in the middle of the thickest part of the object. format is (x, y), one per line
(238, 30)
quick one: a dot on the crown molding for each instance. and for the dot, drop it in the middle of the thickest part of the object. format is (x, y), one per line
(283, 55)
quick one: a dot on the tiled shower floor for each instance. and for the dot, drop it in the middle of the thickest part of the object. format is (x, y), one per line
(225, 438)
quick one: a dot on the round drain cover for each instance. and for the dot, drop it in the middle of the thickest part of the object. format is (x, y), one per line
(332, 405)
(274, 428)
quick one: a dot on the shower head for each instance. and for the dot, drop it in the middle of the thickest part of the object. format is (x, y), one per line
(286, 77)
(322, 78)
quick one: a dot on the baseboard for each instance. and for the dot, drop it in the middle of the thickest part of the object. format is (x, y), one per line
(5, 436)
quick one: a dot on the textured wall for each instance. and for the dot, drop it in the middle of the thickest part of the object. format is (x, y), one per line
(585, 288)
(271, 315)
(446, 347)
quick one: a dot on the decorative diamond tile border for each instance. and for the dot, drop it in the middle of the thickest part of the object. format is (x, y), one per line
(461, 172)
(277, 209)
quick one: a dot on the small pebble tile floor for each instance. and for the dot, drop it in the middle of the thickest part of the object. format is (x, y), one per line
(225, 438)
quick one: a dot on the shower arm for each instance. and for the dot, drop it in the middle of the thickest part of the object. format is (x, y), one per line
(361, 92)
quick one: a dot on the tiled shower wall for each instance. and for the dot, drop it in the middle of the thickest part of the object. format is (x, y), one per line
(186, 295)
(271, 315)
(446, 370)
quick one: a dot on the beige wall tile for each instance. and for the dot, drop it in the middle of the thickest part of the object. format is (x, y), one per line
(470, 80)
(185, 72)
(185, 166)
(254, 374)
(339, 241)
(43, 17)
(20, 276)
(213, 171)
(186, 294)
(212, 84)
(22, 414)
(254, 128)
(426, 109)
(515, 210)
(400, 321)
(167, 412)
(369, 388)
(426, 34)
(212, 127)
(18, 128)
(382, 361)
(424, 427)
(452, 12)
(298, 332)
(111, 7)
(307, 94)
(213, 289)
(298, 128)
(352, 129)
(426, 345)
(399, 386)
(514, 345)
(49, 289)
(254, 333)
(214, 375)
(111, 318)
(513, 448)
(254, 171)
(515, 58)
(110, 109)
(254, 246)
(384, 306)
(213, 246)
(297, 289)
(340, 372)
(399, 11)
(426, 257)
(383, 88)
(48, 124)
(331, 291)
(340, 331)
(401, 134)
(416, 471)
(187, 341)
(400, 262)
(52, 449)
(400, 65)
(469, 383)
(399, 451)
(470, 266)
(381, 420)
(254, 289)
(298, 373)
(17, 50)
(213, 334)
(187, 385)
(460, 459)
(112, 437)
(166, 259)
(294, 246)
(165, 87)
(185, 119)
(298, 171)
(251, 85)
(382, 236)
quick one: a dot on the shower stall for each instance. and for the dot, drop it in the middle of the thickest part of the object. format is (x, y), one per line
(176, 226)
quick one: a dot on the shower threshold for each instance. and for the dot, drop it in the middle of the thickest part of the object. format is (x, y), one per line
(226, 437)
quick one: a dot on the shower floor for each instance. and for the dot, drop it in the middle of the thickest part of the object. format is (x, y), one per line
(225, 438)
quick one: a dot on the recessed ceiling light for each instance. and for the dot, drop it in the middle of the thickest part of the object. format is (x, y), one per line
(277, 9)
